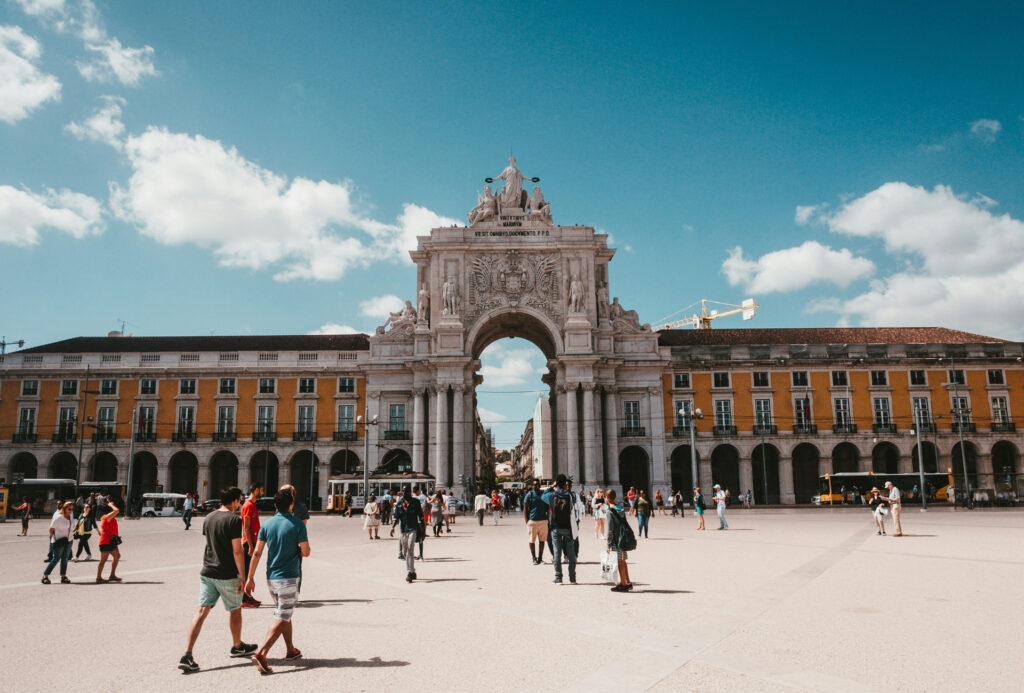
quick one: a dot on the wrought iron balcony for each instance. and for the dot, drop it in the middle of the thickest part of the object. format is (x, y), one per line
(807, 429)
(184, 435)
(632, 432)
(927, 427)
(340, 436)
(765, 429)
(964, 427)
(724, 430)
(303, 435)
(884, 428)
(65, 437)
(145, 436)
(681, 431)
(844, 428)
(23, 437)
(1004, 427)
(224, 436)
(104, 436)
(264, 436)
(396, 435)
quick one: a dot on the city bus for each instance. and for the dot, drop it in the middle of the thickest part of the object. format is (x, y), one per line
(338, 485)
(830, 485)
(43, 495)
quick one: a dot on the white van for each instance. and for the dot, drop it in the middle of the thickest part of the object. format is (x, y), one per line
(162, 504)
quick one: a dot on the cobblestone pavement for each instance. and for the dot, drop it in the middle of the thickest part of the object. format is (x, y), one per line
(796, 599)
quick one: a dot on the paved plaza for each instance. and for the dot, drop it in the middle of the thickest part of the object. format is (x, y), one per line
(794, 599)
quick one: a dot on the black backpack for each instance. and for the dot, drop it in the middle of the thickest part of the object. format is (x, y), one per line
(561, 511)
(627, 540)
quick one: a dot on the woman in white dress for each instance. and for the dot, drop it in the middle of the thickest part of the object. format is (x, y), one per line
(371, 518)
(600, 513)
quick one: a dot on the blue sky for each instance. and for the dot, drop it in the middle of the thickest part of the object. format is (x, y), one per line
(259, 167)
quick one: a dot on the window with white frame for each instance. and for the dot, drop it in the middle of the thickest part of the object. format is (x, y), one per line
(306, 416)
(265, 418)
(346, 385)
(632, 411)
(918, 377)
(802, 411)
(227, 386)
(105, 420)
(685, 406)
(66, 421)
(840, 379)
(762, 413)
(396, 417)
(841, 409)
(681, 381)
(187, 386)
(108, 387)
(69, 388)
(995, 376)
(186, 420)
(268, 386)
(147, 420)
(720, 379)
(307, 386)
(29, 388)
(922, 409)
(225, 419)
(1000, 411)
(147, 386)
(800, 379)
(879, 378)
(957, 377)
(883, 412)
(961, 410)
(723, 412)
(762, 379)
(27, 421)
(346, 417)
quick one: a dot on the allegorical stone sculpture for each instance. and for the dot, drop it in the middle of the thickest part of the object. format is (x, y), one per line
(602, 301)
(423, 309)
(486, 207)
(575, 295)
(450, 296)
(406, 316)
(512, 193)
(626, 320)
(537, 206)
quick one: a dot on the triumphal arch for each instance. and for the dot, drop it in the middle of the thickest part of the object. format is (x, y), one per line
(513, 272)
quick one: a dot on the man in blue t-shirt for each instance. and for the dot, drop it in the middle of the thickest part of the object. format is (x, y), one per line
(285, 539)
(535, 512)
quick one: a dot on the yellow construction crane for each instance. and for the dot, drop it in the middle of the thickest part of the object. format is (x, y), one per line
(702, 320)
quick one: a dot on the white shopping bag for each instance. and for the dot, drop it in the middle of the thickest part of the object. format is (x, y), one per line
(609, 567)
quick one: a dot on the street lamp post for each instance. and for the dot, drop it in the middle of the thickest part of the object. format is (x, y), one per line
(764, 466)
(957, 416)
(688, 417)
(312, 467)
(920, 458)
(80, 420)
(366, 453)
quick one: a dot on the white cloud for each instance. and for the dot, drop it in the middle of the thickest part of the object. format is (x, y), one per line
(104, 125)
(488, 417)
(986, 129)
(114, 61)
(187, 189)
(381, 306)
(804, 213)
(795, 268)
(963, 264)
(502, 367)
(23, 87)
(41, 7)
(23, 214)
(334, 328)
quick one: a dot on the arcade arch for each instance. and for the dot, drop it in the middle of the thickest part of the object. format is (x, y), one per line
(845, 457)
(299, 475)
(725, 469)
(764, 460)
(184, 472)
(805, 472)
(263, 469)
(344, 462)
(1004, 461)
(144, 473)
(223, 471)
(634, 470)
(930, 458)
(396, 461)
(103, 467)
(25, 463)
(63, 465)
(885, 458)
(957, 457)
(682, 471)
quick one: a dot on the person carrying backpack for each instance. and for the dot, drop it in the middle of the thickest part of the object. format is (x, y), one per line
(562, 518)
(620, 539)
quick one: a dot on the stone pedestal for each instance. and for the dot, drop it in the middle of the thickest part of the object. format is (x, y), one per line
(577, 334)
(450, 335)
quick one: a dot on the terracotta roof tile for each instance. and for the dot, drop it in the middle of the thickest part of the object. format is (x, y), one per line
(822, 335)
(282, 342)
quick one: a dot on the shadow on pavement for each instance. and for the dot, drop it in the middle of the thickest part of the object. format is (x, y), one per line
(315, 603)
(339, 663)
(919, 535)
(662, 591)
(93, 583)
(446, 560)
(445, 579)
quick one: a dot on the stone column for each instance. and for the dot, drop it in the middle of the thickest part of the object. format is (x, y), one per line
(163, 475)
(611, 432)
(459, 445)
(572, 448)
(439, 467)
(747, 473)
(418, 460)
(243, 475)
(786, 477)
(659, 463)
(905, 465)
(203, 481)
(590, 470)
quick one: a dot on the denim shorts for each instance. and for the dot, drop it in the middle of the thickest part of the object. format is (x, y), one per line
(211, 589)
(285, 593)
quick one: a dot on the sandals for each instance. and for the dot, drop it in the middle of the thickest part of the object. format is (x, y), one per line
(45, 580)
(113, 578)
(65, 580)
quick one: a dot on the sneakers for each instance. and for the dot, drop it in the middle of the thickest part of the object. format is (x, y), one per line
(414, 575)
(293, 655)
(620, 588)
(243, 650)
(572, 580)
(408, 577)
(186, 663)
(249, 602)
(557, 581)
(261, 662)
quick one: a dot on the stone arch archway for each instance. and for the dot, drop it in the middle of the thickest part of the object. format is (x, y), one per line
(263, 469)
(184, 468)
(845, 458)
(63, 465)
(527, 324)
(725, 470)
(144, 473)
(344, 462)
(25, 463)
(930, 457)
(682, 471)
(1005, 459)
(805, 472)
(396, 461)
(762, 465)
(634, 470)
(885, 458)
(223, 471)
(103, 467)
(957, 458)
(299, 473)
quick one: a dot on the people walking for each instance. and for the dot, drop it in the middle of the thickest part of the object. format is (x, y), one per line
(878, 504)
(451, 507)
(535, 514)
(110, 539)
(720, 499)
(83, 532)
(600, 513)
(221, 577)
(659, 502)
(437, 511)
(409, 514)
(561, 527)
(26, 510)
(631, 497)
(495, 506)
(285, 540)
(677, 503)
(371, 518)
(384, 505)
(896, 507)
(61, 535)
(480, 504)
(250, 530)
(186, 510)
(643, 515)
(951, 497)
(616, 521)
(698, 506)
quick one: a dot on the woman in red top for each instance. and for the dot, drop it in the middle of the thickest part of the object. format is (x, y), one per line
(109, 541)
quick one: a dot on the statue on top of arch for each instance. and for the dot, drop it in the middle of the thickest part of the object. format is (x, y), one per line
(510, 197)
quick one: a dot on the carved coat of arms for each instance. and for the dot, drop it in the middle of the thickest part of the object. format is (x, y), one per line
(528, 279)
